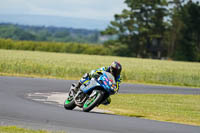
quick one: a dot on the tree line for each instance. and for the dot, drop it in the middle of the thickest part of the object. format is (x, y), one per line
(60, 47)
(157, 29)
(53, 34)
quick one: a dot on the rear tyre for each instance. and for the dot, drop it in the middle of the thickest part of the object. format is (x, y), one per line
(69, 103)
(93, 101)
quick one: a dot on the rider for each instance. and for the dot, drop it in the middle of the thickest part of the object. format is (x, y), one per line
(115, 69)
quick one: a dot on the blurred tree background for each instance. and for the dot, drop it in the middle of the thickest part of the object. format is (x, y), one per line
(53, 34)
(158, 29)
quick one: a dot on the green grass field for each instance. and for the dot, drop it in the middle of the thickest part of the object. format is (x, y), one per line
(173, 108)
(183, 109)
(73, 66)
(14, 129)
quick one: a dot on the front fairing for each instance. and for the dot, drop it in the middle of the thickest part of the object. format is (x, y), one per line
(106, 81)
(89, 85)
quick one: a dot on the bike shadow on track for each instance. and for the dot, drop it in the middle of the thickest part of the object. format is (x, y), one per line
(92, 112)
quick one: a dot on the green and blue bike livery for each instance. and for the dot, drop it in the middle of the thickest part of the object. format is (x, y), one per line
(92, 92)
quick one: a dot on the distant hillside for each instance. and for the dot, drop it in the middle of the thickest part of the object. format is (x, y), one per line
(42, 20)
(43, 33)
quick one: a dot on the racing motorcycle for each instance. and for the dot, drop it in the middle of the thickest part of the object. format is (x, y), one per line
(91, 93)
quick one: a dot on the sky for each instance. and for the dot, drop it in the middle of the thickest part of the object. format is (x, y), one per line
(90, 9)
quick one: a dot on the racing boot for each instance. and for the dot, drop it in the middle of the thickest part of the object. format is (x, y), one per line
(77, 87)
(106, 101)
(85, 77)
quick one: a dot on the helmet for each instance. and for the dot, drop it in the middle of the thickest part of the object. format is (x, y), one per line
(115, 68)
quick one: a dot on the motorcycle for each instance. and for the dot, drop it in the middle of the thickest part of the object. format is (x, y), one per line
(92, 92)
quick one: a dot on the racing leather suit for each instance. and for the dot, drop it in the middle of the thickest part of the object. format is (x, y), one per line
(95, 73)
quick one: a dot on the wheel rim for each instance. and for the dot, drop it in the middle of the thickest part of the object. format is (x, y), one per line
(90, 101)
(69, 99)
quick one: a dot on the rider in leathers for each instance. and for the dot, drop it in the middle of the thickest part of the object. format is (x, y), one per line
(115, 69)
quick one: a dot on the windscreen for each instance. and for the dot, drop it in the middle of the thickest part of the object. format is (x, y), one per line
(110, 77)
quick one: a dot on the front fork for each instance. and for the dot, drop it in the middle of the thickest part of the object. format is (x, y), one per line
(78, 95)
(80, 98)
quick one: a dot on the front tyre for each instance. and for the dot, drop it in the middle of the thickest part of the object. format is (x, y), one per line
(69, 103)
(94, 99)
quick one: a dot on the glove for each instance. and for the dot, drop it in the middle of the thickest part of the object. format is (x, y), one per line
(96, 74)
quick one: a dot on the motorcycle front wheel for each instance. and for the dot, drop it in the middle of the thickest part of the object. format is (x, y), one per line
(94, 99)
(69, 103)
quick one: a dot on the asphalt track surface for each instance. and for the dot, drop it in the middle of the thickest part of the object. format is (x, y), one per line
(16, 109)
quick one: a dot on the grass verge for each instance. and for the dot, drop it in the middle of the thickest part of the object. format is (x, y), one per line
(174, 108)
(73, 66)
(183, 109)
(14, 129)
